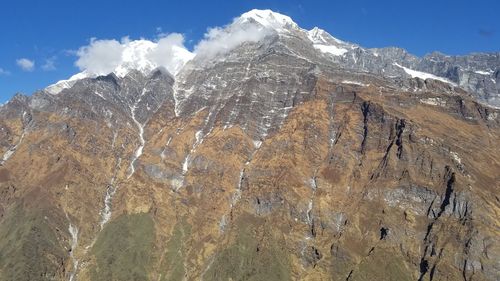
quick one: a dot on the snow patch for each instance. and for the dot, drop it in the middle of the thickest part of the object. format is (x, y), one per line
(313, 183)
(199, 137)
(177, 183)
(309, 212)
(433, 101)
(175, 93)
(222, 224)
(456, 157)
(354, 83)
(331, 49)
(73, 231)
(423, 75)
(162, 155)
(110, 192)
(115, 134)
(492, 116)
(185, 164)
(106, 211)
(257, 144)
(142, 141)
(99, 94)
(483, 72)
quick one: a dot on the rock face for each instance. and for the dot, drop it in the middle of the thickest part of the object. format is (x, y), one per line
(294, 157)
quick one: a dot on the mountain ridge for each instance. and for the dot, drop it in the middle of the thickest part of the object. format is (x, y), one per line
(480, 77)
(269, 161)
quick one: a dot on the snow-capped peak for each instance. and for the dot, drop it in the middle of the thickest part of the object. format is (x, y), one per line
(326, 43)
(268, 19)
(316, 35)
(56, 88)
(320, 36)
(102, 57)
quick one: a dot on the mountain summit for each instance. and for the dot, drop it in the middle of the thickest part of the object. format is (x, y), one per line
(269, 152)
(268, 19)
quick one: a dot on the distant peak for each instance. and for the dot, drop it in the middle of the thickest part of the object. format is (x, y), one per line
(317, 35)
(268, 19)
(320, 36)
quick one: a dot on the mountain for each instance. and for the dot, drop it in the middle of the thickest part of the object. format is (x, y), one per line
(270, 153)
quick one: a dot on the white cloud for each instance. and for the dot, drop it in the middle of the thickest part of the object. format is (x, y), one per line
(219, 40)
(50, 64)
(102, 57)
(4, 72)
(170, 52)
(26, 64)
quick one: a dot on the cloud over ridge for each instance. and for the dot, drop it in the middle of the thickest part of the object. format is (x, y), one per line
(103, 56)
(219, 40)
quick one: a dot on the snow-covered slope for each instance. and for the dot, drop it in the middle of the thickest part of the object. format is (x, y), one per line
(423, 75)
(66, 84)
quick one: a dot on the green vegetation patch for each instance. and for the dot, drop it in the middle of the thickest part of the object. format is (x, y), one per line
(29, 248)
(124, 249)
(249, 258)
(173, 261)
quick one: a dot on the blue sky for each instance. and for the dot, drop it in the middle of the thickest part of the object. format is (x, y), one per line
(48, 32)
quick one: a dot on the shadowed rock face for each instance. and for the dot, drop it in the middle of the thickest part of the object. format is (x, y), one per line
(276, 162)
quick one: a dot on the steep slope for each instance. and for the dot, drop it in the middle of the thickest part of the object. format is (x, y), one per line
(271, 160)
